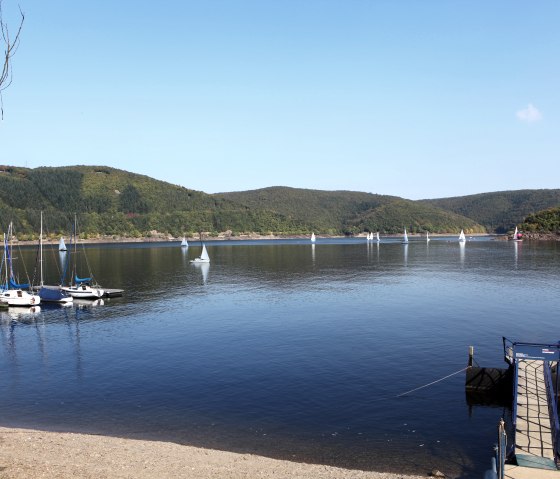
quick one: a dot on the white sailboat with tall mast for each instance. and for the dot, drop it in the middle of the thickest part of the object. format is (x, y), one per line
(80, 288)
(14, 294)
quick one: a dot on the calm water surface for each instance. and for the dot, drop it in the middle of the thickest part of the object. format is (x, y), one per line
(283, 348)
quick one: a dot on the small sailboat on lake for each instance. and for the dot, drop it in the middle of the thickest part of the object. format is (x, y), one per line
(61, 244)
(377, 237)
(427, 237)
(203, 258)
(405, 238)
(462, 238)
(313, 237)
(517, 236)
(184, 243)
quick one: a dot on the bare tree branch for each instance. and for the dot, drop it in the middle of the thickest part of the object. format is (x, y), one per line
(10, 48)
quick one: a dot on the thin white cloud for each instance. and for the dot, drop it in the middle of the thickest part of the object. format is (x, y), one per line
(529, 114)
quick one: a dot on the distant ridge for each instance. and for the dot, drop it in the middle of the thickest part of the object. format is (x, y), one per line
(501, 210)
(114, 202)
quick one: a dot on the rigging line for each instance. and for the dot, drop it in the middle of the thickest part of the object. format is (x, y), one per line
(433, 382)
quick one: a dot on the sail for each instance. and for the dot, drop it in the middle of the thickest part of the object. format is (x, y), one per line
(427, 236)
(204, 255)
(462, 236)
(312, 237)
(184, 242)
(377, 237)
(61, 245)
(405, 237)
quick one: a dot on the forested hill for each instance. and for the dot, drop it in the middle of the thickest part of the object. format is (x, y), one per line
(499, 211)
(352, 212)
(108, 201)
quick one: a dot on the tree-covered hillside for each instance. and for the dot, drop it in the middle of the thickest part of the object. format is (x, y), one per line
(108, 201)
(353, 212)
(546, 221)
(499, 211)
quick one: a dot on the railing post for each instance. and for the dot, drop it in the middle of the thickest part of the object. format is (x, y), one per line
(502, 445)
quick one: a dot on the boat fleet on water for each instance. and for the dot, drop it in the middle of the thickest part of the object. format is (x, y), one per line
(14, 293)
(370, 236)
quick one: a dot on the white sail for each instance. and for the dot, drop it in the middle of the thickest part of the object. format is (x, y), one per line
(378, 240)
(462, 237)
(405, 237)
(515, 233)
(184, 243)
(61, 245)
(203, 258)
(313, 237)
(427, 237)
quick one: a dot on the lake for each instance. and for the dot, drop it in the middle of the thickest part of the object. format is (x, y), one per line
(284, 348)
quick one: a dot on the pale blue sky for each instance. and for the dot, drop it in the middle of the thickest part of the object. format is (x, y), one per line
(419, 99)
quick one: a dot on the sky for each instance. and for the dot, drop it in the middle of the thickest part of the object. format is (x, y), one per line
(412, 98)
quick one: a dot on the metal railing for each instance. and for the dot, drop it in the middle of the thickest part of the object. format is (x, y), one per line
(553, 411)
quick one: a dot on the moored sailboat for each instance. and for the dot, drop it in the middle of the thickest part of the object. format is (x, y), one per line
(13, 293)
(80, 288)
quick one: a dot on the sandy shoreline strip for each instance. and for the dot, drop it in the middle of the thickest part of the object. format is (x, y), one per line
(26, 453)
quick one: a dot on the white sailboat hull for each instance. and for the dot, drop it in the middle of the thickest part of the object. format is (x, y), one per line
(83, 291)
(18, 297)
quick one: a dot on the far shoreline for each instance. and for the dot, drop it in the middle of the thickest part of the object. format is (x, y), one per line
(207, 237)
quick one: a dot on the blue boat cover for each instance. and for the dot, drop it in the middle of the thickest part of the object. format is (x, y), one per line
(14, 285)
(81, 280)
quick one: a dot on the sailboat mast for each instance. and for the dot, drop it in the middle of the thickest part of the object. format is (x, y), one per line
(41, 251)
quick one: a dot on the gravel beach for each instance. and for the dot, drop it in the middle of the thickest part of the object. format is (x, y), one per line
(26, 453)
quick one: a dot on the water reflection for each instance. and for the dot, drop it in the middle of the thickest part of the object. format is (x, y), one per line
(516, 245)
(462, 253)
(204, 269)
(313, 253)
(405, 253)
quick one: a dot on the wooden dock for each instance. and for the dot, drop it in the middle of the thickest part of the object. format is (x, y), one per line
(534, 447)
